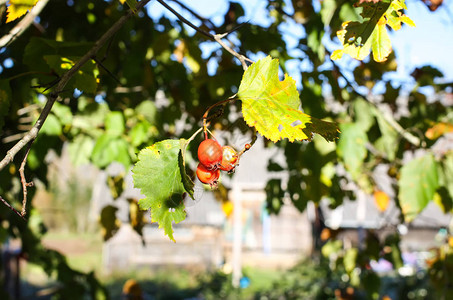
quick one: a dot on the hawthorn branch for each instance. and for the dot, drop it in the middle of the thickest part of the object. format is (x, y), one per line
(218, 38)
(24, 182)
(23, 24)
(12, 208)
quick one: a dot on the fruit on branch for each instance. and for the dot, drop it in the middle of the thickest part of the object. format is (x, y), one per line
(229, 159)
(210, 153)
(208, 176)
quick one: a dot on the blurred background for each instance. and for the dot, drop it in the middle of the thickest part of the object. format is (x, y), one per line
(365, 217)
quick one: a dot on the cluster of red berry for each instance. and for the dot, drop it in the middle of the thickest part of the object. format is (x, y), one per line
(214, 158)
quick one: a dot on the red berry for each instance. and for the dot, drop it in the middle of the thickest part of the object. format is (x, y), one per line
(210, 153)
(229, 158)
(247, 146)
(207, 176)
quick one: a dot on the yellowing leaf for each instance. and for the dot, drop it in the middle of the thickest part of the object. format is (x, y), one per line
(18, 8)
(382, 200)
(359, 38)
(227, 208)
(272, 106)
(438, 130)
(381, 44)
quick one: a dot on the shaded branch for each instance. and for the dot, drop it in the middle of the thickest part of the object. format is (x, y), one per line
(23, 24)
(218, 38)
(24, 182)
(32, 134)
(12, 208)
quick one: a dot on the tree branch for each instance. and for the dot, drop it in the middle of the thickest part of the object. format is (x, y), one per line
(242, 58)
(23, 24)
(32, 134)
(12, 208)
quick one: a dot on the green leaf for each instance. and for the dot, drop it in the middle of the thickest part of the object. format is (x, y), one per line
(114, 123)
(351, 147)
(186, 180)
(148, 110)
(84, 79)
(388, 142)
(80, 149)
(139, 133)
(445, 191)
(350, 259)
(364, 114)
(417, 184)
(63, 113)
(110, 148)
(157, 174)
(272, 106)
(51, 126)
(5, 96)
(38, 48)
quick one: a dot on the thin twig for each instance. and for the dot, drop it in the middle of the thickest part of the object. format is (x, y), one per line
(107, 70)
(218, 38)
(23, 24)
(184, 20)
(32, 134)
(23, 180)
(12, 208)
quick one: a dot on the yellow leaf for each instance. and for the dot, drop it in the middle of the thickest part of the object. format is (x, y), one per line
(381, 44)
(407, 20)
(122, 1)
(337, 54)
(438, 130)
(382, 200)
(227, 208)
(18, 8)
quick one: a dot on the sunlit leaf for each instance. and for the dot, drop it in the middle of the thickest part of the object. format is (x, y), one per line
(417, 185)
(272, 106)
(157, 175)
(18, 8)
(370, 34)
(438, 130)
